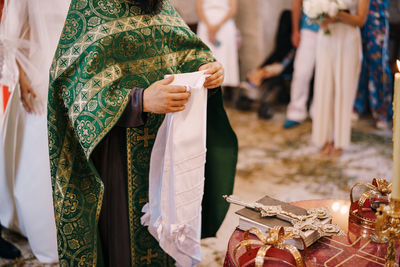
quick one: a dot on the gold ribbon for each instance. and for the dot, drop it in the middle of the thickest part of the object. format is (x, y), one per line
(378, 188)
(274, 238)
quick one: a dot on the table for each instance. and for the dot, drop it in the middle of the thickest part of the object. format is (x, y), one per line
(353, 250)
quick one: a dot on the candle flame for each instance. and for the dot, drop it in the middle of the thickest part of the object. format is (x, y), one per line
(398, 65)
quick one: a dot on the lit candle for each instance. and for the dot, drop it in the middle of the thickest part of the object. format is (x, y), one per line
(396, 136)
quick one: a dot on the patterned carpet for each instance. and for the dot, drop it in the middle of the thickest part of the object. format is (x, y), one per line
(285, 165)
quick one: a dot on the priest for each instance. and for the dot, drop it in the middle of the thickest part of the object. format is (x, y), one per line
(107, 98)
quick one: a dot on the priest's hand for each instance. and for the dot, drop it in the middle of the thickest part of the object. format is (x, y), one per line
(161, 97)
(216, 72)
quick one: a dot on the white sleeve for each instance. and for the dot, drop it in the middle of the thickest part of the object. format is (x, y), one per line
(14, 41)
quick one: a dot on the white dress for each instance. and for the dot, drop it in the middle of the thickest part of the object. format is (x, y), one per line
(29, 34)
(337, 70)
(225, 50)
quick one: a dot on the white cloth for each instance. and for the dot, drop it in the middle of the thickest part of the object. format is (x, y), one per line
(304, 63)
(29, 34)
(176, 179)
(337, 71)
(226, 51)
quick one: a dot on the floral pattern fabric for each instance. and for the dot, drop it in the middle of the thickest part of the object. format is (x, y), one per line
(376, 86)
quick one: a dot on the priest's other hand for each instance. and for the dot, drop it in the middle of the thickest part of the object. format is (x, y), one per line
(161, 97)
(216, 72)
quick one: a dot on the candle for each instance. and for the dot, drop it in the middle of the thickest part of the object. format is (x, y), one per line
(396, 136)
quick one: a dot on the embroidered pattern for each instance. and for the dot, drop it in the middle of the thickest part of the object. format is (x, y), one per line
(107, 48)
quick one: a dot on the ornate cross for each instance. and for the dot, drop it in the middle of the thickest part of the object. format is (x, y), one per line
(149, 257)
(146, 137)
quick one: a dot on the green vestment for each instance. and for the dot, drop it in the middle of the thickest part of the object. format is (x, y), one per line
(108, 47)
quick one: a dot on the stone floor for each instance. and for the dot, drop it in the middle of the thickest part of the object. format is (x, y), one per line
(285, 165)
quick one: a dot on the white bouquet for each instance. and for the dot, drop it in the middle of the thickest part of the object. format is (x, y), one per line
(320, 9)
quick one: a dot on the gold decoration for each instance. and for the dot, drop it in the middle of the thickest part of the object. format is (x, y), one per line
(274, 238)
(379, 189)
(311, 221)
(387, 229)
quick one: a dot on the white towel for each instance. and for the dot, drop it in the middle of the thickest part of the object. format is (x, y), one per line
(176, 179)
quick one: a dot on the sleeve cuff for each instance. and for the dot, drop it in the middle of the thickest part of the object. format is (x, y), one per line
(133, 115)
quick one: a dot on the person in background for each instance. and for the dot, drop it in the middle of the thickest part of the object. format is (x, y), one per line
(338, 65)
(188, 11)
(218, 31)
(375, 88)
(394, 33)
(269, 79)
(29, 34)
(8, 250)
(304, 38)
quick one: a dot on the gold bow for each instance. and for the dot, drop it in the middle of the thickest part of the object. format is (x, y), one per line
(274, 238)
(378, 188)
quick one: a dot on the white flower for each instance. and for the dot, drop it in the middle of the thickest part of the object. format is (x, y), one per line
(318, 9)
(342, 5)
(333, 9)
(325, 6)
(312, 8)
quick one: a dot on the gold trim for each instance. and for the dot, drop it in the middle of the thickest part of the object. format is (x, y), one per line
(91, 88)
(107, 29)
(274, 238)
(378, 187)
(358, 256)
(130, 196)
(345, 245)
(98, 210)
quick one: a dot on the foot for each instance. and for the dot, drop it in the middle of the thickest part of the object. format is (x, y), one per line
(354, 116)
(288, 124)
(8, 250)
(250, 90)
(265, 111)
(382, 125)
(244, 103)
(336, 152)
(326, 149)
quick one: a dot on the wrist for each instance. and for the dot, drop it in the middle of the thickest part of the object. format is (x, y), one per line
(144, 101)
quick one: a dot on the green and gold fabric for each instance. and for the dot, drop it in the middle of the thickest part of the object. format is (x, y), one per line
(108, 47)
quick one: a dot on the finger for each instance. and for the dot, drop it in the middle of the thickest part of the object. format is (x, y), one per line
(180, 96)
(176, 109)
(167, 80)
(216, 76)
(175, 89)
(28, 102)
(212, 68)
(214, 83)
(32, 92)
(179, 103)
(26, 107)
(204, 66)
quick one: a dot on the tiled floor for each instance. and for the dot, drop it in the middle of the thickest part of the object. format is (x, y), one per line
(285, 165)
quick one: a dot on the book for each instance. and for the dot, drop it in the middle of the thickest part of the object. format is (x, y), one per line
(249, 218)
